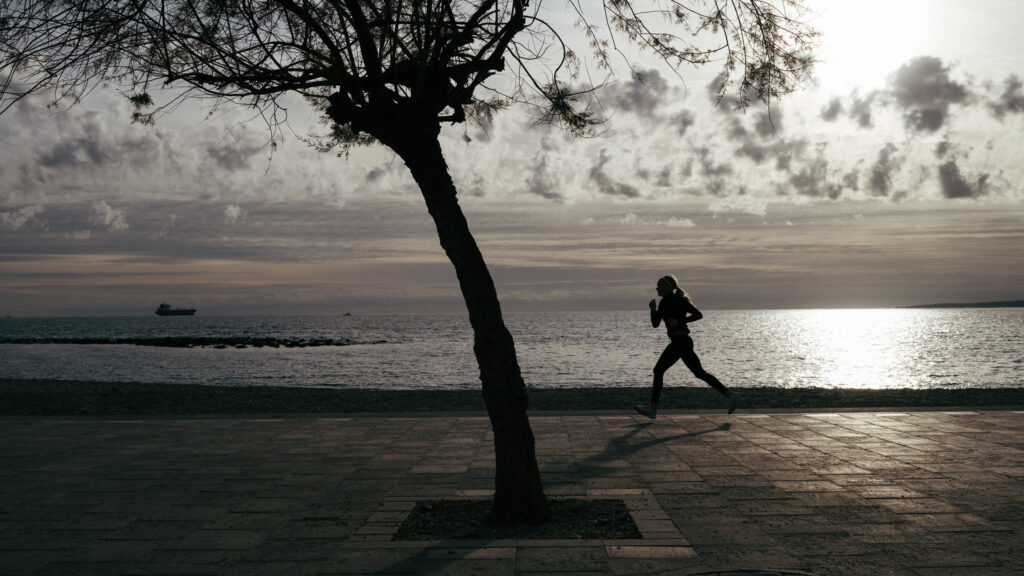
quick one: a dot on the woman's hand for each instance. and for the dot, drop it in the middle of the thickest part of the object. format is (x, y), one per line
(653, 305)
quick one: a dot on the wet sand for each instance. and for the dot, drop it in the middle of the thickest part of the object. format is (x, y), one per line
(68, 398)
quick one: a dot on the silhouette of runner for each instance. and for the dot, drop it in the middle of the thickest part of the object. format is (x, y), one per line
(677, 310)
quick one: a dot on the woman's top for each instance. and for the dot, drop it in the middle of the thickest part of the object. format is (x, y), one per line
(673, 309)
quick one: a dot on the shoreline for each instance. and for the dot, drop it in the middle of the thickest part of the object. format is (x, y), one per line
(83, 398)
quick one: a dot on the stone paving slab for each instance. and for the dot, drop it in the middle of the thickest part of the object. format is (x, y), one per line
(915, 493)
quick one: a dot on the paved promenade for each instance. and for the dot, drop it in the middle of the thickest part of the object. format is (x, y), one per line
(916, 493)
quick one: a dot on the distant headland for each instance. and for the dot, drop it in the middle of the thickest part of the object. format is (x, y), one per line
(1003, 304)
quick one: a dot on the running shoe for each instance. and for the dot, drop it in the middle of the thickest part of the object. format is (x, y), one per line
(647, 410)
(734, 398)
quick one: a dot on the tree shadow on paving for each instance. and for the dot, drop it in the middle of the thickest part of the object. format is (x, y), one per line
(624, 446)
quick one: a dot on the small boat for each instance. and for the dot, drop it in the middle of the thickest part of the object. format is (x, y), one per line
(166, 309)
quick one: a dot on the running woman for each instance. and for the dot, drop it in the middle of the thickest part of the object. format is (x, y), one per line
(677, 310)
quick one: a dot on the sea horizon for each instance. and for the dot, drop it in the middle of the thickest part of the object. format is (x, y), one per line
(782, 348)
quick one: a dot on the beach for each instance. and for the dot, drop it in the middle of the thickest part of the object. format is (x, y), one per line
(80, 398)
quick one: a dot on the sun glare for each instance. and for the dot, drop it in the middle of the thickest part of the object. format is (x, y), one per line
(855, 348)
(863, 42)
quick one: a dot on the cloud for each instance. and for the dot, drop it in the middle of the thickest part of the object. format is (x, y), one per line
(233, 213)
(924, 90)
(742, 204)
(664, 178)
(110, 218)
(1011, 101)
(14, 220)
(605, 184)
(86, 147)
(683, 120)
(708, 163)
(954, 185)
(632, 219)
(539, 181)
(860, 109)
(881, 172)
(812, 179)
(641, 95)
(851, 180)
(783, 151)
(680, 223)
(768, 124)
(729, 101)
(831, 111)
(75, 152)
(236, 149)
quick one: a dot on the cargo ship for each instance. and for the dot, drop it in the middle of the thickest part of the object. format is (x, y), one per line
(166, 309)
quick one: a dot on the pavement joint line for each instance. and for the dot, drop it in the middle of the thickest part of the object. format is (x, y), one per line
(654, 532)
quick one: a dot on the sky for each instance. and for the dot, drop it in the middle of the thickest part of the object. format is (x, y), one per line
(894, 178)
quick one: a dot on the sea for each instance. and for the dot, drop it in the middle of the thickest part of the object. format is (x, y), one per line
(856, 348)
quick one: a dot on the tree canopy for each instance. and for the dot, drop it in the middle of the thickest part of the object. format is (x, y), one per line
(446, 58)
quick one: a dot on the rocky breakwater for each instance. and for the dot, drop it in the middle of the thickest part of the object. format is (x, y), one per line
(198, 341)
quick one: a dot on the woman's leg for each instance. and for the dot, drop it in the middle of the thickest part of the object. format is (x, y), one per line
(668, 357)
(693, 363)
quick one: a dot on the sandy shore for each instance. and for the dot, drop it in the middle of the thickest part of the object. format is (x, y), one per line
(64, 398)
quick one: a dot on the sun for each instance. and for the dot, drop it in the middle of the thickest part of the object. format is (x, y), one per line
(863, 42)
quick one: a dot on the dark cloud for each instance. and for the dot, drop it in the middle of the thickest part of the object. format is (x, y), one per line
(1011, 100)
(73, 153)
(538, 181)
(941, 149)
(768, 124)
(686, 169)
(860, 109)
(87, 147)
(954, 185)
(683, 120)
(726, 101)
(924, 90)
(737, 131)
(752, 150)
(664, 178)
(851, 180)
(641, 95)
(830, 112)
(783, 151)
(707, 162)
(812, 179)
(766, 141)
(233, 155)
(605, 184)
(881, 172)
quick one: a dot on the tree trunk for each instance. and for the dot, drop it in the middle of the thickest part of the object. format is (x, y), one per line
(518, 493)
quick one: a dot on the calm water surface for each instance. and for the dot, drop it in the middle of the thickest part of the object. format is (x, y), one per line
(883, 348)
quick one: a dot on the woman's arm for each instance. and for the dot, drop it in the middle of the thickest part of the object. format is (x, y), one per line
(655, 317)
(691, 313)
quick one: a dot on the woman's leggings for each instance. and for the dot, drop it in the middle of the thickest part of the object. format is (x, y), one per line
(681, 348)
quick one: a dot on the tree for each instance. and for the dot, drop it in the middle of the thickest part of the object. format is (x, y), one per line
(393, 71)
